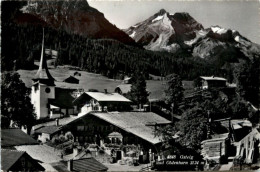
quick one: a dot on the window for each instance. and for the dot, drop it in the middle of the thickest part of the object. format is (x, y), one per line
(47, 90)
(96, 108)
(80, 128)
(111, 127)
(36, 87)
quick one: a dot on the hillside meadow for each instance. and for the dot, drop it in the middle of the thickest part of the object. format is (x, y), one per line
(89, 80)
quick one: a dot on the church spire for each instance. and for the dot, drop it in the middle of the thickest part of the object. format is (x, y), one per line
(43, 73)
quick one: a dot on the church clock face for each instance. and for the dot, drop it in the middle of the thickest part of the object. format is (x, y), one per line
(47, 90)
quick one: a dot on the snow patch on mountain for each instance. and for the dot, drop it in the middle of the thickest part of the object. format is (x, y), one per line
(237, 38)
(199, 34)
(202, 32)
(164, 30)
(133, 34)
(218, 30)
(157, 18)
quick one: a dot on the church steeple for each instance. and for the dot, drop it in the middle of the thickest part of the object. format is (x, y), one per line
(43, 75)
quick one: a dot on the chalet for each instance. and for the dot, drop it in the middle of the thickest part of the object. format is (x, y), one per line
(213, 82)
(46, 133)
(127, 80)
(49, 101)
(46, 155)
(47, 130)
(76, 73)
(120, 132)
(72, 80)
(98, 101)
(118, 128)
(238, 141)
(14, 160)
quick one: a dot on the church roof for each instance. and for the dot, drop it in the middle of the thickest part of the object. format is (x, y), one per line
(43, 73)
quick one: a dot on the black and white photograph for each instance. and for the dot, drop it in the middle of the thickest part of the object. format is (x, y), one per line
(130, 85)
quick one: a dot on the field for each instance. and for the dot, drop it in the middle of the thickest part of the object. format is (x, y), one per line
(96, 81)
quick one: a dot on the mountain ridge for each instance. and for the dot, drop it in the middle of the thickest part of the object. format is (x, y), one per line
(185, 33)
(89, 21)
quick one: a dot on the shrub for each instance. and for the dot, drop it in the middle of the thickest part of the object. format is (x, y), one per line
(69, 136)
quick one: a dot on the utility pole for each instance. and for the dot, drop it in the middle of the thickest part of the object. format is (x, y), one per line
(208, 126)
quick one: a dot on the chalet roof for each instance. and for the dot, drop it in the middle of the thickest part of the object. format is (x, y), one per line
(127, 78)
(43, 153)
(239, 127)
(125, 88)
(59, 166)
(88, 164)
(62, 121)
(71, 79)
(48, 129)
(212, 78)
(237, 123)
(15, 137)
(136, 123)
(10, 158)
(106, 97)
(216, 138)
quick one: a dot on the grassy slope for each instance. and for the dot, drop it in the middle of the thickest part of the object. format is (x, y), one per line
(95, 81)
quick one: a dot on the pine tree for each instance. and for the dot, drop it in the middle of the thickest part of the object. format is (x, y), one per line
(138, 93)
(174, 92)
(248, 79)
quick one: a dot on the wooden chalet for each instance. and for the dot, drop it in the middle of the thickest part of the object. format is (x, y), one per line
(14, 160)
(213, 82)
(98, 101)
(116, 128)
(240, 141)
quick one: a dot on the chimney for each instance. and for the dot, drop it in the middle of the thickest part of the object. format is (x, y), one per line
(57, 122)
(105, 91)
(155, 127)
(70, 165)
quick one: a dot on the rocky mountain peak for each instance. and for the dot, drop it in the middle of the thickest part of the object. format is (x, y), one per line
(77, 17)
(177, 32)
(161, 12)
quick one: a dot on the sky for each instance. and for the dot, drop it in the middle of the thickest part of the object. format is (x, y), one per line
(241, 15)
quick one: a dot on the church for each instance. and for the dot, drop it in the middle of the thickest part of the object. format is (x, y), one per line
(50, 101)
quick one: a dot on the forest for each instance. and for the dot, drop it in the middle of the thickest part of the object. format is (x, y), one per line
(108, 57)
